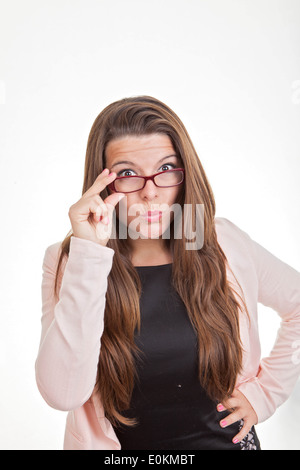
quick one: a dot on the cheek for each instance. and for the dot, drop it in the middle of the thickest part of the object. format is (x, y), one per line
(177, 192)
(174, 195)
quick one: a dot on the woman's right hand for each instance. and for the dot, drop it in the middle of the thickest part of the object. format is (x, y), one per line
(91, 217)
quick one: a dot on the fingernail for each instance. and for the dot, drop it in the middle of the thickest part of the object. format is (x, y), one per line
(235, 441)
(223, 423)
(220, 408)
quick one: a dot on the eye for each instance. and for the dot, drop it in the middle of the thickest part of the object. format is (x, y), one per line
(127, 170)
(124, 171)
(168, 164)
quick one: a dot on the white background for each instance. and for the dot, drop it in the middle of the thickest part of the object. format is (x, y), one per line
(229, 68)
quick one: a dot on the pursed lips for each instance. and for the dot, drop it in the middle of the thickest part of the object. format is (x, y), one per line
(152, 213)
(152, 216)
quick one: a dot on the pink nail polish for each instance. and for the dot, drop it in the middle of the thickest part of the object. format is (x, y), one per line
(235, 441)
(223, 423)
(220, 408)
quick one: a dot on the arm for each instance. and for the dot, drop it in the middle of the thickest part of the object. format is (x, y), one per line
(278, 288)
(66, 365)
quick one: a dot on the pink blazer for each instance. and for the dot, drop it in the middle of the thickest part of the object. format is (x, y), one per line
(66, 365)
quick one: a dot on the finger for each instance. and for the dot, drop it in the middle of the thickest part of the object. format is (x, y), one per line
(230, 419)
(104, 212)
(243, 432)
(112, 200)
(101, 213)
(97, 210)
(100, 183)
(229, 404)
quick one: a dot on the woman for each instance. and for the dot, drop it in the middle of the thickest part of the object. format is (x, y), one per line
(149, 344)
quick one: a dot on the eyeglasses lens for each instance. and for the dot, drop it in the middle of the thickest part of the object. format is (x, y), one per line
(168, 178)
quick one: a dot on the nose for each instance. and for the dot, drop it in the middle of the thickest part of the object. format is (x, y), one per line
(150, 191)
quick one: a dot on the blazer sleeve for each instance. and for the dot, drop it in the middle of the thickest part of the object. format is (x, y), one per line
(72, 326)
(279, 289)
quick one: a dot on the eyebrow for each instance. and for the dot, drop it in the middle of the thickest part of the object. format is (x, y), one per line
(127, 162)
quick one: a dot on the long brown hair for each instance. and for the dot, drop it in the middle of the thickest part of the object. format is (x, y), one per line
(199, 276)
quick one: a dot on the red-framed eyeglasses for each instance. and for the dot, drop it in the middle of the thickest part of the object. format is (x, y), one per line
(163, 179)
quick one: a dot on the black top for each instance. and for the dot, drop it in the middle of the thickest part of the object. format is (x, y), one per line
(172, 408)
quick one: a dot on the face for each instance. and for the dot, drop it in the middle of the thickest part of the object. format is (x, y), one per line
(145, 156)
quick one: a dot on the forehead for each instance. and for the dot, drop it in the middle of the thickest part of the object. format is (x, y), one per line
(151, 147)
